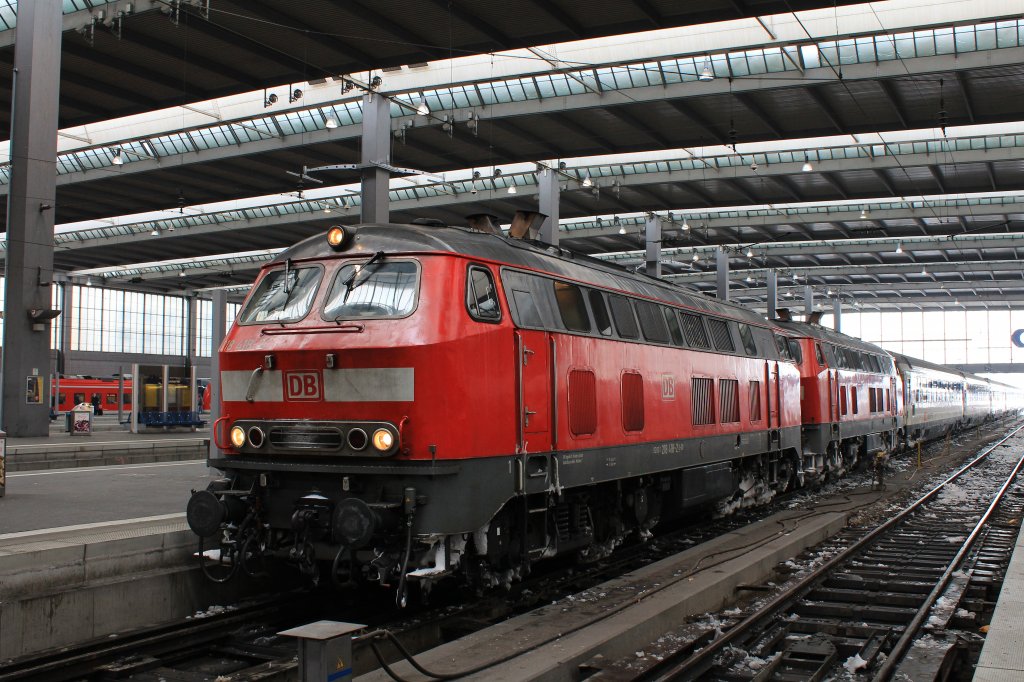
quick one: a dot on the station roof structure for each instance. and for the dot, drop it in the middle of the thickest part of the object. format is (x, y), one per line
(855, 148)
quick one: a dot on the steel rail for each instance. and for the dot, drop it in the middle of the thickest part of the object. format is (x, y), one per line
(79, 662)
(900, 647)
(703, 660)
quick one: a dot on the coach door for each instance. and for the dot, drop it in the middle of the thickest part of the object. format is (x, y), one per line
(533, 353)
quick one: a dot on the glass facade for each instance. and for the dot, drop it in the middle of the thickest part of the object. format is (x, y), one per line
(948, 337)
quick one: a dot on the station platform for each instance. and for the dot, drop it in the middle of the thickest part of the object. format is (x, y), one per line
(110, 443)
(1002, 657)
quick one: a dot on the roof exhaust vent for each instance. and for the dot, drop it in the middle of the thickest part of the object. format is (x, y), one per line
(526, 225)
(815, 317)
(783, 315)
(484, 222)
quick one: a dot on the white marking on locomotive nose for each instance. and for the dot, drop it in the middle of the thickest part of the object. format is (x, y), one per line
(370, 384)
(358, 385)
(268, 388)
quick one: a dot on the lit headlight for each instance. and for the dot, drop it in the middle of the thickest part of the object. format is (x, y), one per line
(237, 436)
(337, 237)
(383, 439)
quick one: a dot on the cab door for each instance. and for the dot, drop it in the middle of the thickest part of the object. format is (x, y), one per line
(771, 378)
(533, 377)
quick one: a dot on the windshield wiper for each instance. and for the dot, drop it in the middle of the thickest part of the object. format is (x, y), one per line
(357, 279)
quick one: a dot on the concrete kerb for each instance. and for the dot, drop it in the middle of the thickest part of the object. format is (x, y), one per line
(629, 612)
(103, 453)
(63, 586)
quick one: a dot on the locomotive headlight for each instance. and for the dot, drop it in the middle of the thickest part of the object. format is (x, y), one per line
(383, 439)
(237, 436)
(337, 237)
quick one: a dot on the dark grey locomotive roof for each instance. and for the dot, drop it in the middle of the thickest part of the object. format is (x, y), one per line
(816, 331)
(392, 238)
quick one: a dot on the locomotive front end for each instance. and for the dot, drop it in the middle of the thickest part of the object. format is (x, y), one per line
(318, 388)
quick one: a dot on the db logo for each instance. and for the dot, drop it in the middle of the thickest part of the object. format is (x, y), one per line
(302, 386)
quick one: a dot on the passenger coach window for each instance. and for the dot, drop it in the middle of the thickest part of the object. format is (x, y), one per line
(377, 290)
(652, 322)
(282, 298)
(571, 307)
(481, 298)
(693, 326)
(600, 310)
(622, 313)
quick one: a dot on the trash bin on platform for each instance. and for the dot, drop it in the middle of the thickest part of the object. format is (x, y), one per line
(81, 420)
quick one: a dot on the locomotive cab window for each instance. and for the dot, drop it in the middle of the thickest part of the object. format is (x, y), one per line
(381, 289)
(481, 297)
(571, 307)
(283, 295)
(795, 351)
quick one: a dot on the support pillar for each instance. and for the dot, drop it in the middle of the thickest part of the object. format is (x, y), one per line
(66, 327)
(837, 314)
(652, 237)
(549, 189)
(773, 294)
(30, 204)
(376, 149)
(192, 351)
(808, 300)
(217, 330)
(722, 273)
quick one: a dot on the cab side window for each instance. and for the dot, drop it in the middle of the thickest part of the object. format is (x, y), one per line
(481, 297)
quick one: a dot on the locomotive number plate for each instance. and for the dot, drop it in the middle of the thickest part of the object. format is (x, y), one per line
(303, 385)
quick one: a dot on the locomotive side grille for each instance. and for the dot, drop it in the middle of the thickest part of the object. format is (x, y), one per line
(755, 401)
(305, 437)
(702, 401)
(729, 396)
(582, 402)
(720, 335)
(693, 328)
(632, 401)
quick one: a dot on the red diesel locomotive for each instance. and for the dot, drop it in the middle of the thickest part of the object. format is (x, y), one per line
(403, 402)
(406, 401)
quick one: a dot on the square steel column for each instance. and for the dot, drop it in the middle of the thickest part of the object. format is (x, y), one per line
(808, 300)
(773, 294)
(652, 237)
(376, 149)
(837, 314)
(722, 273)
(218, 323)
(30, 204)
(549, 190)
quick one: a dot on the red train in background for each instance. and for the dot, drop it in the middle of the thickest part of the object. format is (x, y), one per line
(100, 392)
(91, 390)
(404, 402)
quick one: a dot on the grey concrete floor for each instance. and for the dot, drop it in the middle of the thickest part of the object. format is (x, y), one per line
(68, 497)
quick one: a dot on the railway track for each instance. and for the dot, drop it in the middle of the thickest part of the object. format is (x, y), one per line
(241, 644)
(934, 564)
